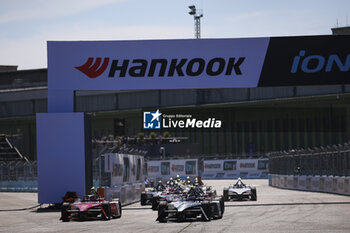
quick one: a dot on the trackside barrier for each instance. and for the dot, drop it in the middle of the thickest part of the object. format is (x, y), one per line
(18, 176)
(230, 175)
(308, 183)
(346, 186)
(290, 182)
(340, 185)
(164, 169)
(270, 180)
(302, 183)
(315, 183)
(127, 193)
(126, 173)
(234, 168)
(208, 168)
(19, 186)
(327, 184)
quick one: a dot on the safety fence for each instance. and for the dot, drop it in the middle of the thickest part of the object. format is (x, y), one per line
(18, 176)
(324, 169)
(329, 161)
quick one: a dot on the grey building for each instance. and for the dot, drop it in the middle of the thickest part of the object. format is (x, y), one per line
(341, 31)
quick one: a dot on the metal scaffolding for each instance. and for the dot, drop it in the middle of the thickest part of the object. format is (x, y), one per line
(197, 14)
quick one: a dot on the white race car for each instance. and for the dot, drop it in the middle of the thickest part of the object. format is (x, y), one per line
(239, 191)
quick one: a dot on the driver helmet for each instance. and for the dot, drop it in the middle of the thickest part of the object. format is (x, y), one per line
(93, 191)
(196, 183)
(160, 185)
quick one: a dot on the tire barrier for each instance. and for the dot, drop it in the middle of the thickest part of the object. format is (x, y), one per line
(327, 184)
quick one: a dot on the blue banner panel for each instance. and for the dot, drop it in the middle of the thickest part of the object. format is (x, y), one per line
(61, 155)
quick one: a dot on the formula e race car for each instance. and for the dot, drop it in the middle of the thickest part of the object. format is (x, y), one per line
(189, 210)
(147, 195)
(194, 206)
(164, 196)
(150, 192)
(171, 193)
(91, 207)
(239, 191)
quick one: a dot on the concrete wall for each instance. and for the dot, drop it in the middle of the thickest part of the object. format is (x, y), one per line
(327, 184)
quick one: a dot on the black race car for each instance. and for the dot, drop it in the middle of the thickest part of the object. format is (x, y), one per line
(170, 194)
(194, 206)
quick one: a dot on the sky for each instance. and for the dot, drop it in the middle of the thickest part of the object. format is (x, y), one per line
(27, 25)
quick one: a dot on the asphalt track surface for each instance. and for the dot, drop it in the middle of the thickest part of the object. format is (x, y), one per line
(277, 210)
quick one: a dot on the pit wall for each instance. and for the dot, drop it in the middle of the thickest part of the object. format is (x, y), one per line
(327, 184)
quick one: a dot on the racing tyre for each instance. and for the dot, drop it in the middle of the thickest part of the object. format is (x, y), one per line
(225, 194)
(155, 203)
(65, 216)
(254, 196)
(207, 210)
(120, 208)
(120, 211)
(222, 204)
(220, 213)
(143, 198)
(161, 214)
(107, 209)
(216, 210)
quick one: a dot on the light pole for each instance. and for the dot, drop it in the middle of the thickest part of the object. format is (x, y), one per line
(197, 14)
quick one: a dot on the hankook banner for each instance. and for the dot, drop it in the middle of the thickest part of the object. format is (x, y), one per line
(156, 64)
(205, 63)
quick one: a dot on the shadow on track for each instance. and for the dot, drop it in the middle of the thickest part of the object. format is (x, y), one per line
(137, 208)
(290, 204)
(21, 209)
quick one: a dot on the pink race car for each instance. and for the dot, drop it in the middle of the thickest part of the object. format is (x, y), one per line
(91, 207)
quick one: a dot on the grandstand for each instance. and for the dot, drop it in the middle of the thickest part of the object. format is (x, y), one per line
(8, 152)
